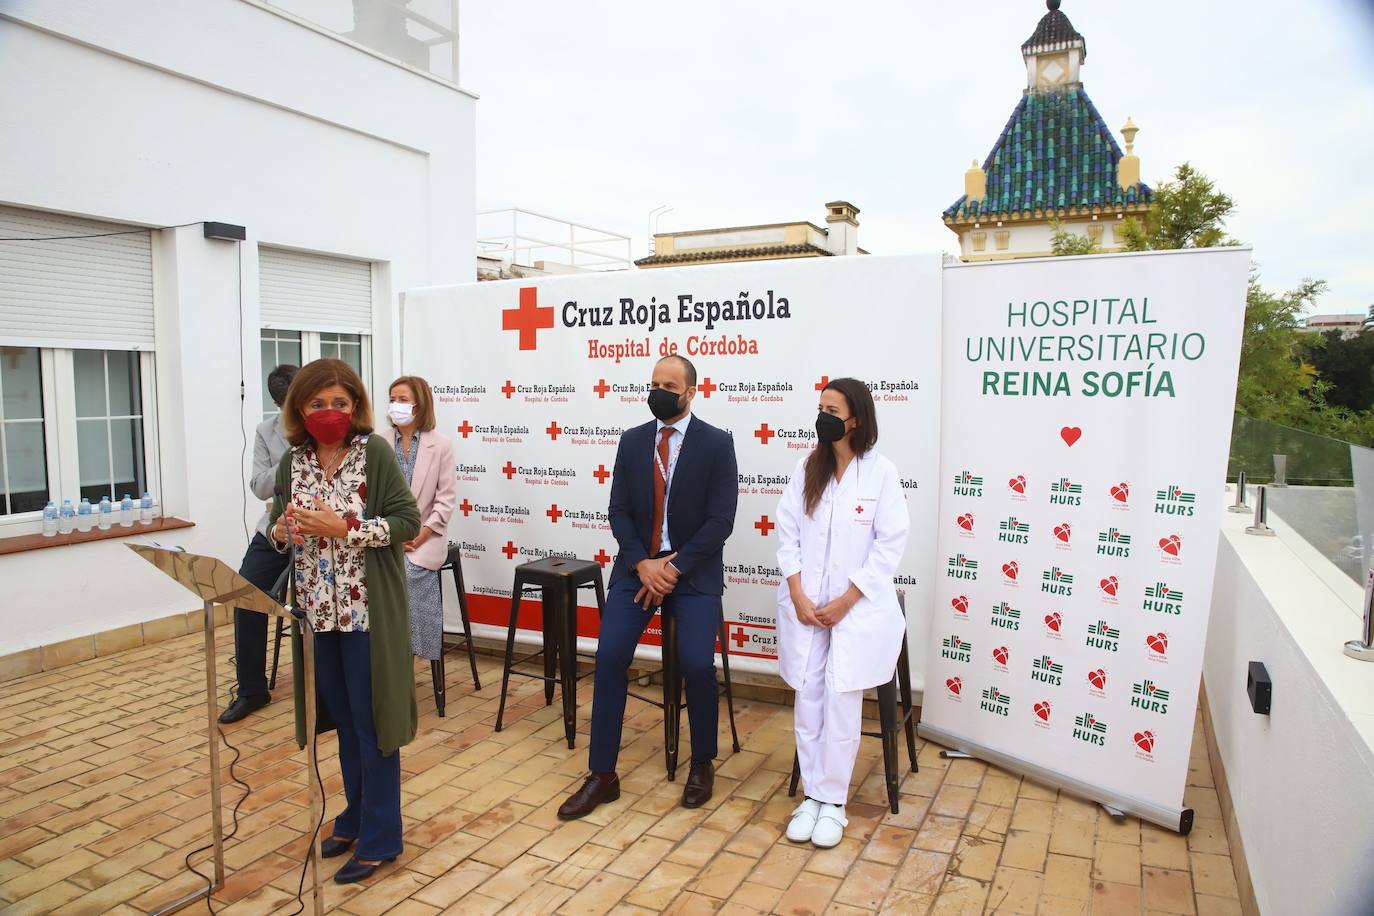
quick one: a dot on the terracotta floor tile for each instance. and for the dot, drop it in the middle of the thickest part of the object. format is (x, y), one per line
(1111, 899)
(1117, 862)
(1212, 875)
(808, 895)
(1168, 891)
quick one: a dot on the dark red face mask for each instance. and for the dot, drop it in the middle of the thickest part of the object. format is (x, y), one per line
(328, 426)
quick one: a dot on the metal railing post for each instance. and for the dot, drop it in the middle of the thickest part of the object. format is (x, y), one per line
(1240, 504)
(1363, 648)
(1260, 527)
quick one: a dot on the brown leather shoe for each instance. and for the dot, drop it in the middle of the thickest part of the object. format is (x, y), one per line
(700, 780)
(597, 790)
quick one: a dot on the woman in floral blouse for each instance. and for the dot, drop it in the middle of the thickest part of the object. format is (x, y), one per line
(348, 511)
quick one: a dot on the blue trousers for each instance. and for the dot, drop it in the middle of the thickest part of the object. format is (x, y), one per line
(262, 566)
(622, 624)
(372, 782)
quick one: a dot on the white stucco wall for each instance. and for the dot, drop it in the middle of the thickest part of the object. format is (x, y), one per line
(1301, 778)
(161, 112)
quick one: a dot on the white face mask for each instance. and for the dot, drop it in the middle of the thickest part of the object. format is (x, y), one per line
(401, 414)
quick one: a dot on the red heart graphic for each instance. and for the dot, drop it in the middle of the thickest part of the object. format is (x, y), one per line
(1011, 569)
(1151, 688)
(1017, 484)
(1109, 585)
(1042, 709)
(955, 685)
(1098, 678)
(1063, 531)
(960, 604)
(965, 521)
(1163, 590)
(1171, 545)
(1145, 741)
(1159, 642)
(1121, 492)
(1070, 434)
(1001, 654)
(1053, 621)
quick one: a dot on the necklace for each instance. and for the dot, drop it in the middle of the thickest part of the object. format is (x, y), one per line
(331, 465)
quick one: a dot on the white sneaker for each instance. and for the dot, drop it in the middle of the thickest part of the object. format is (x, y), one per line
(803, 821)
(830, 824)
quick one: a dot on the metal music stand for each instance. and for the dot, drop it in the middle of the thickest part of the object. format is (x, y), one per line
(217, 584)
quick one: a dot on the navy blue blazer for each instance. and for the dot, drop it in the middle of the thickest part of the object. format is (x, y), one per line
(701, 503)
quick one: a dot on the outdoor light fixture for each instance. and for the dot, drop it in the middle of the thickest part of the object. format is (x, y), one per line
(227, 231)
(1260, 688)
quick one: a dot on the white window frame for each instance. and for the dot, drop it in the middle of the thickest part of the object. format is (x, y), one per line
(59, 428)
(310, 351)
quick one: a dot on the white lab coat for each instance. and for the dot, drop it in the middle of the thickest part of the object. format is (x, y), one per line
(865, 517)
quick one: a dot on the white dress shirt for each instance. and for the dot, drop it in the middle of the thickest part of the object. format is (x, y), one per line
(674, 449)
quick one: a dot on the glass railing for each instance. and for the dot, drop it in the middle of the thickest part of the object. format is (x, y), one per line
(1322, 488)
(420, 33)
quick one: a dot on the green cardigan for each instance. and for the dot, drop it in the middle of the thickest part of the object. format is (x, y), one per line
(394, 713)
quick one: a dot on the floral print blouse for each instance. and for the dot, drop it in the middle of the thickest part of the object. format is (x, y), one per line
(331, 574)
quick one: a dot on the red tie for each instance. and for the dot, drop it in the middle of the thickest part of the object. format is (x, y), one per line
(660, 490)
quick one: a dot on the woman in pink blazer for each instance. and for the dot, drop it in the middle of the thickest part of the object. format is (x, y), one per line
(426, 459)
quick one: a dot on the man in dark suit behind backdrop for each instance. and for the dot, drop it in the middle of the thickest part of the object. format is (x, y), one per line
(672, 507)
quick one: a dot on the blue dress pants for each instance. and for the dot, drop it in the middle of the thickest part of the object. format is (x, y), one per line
(372, 782)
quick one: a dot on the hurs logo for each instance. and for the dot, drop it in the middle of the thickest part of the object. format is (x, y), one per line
(1101, 636)
(1013, 531)
(1113, 543)
(1047, 671)
(1149, 696)
(1174, 500)
(1163, 599)
(1006, 616)
(967, 484)
(956, 649)
(961, 567)
(996, 702)
(1065, 493)
(1089, 729)
(1056, 581)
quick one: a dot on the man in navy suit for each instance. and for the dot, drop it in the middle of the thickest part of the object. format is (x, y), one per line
(672, 507)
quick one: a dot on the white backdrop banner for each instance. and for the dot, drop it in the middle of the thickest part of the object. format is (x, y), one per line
(535, 381)
(1086, 422)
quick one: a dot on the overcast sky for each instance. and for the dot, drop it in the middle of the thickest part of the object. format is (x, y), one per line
(737, 113)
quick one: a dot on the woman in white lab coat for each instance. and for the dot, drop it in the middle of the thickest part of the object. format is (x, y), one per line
(842, 528)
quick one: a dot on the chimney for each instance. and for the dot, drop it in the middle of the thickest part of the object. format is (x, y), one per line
(1128, 169)
(975, 182)
(842, 227)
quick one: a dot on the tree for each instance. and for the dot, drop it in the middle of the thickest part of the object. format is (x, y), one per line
(1188, 212)
(1346, 363)
(1064, 242)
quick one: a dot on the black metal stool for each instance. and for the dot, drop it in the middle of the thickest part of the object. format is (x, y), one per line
(436, 667)
(673, 683)
(557, 579)
(889, 725)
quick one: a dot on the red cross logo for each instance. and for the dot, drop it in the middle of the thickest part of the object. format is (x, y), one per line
(508, 389)
(554, 514)
(601, 388)
(859, 509)
(465, 428)
(510, 550)
(509, 471)
(553, 430)
(602, 557)
(764, 526)
(465, 506)
(764, 433)
(825, 380)
(706, 387)
(601, 474)
(528, 319)
(739, 638)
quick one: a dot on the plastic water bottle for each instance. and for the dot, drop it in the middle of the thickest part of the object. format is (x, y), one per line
(84, 518)
(106, 513)
(147, 509)
(66, 518)
(126, 511)
(50, 520)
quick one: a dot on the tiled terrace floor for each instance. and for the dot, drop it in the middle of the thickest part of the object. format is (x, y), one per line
(103, 790)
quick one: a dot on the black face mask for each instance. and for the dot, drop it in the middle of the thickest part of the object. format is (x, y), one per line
(663, 404)
(829, 428)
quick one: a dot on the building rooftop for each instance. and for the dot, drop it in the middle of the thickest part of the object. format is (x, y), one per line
(1056, 156)
(1054, 32)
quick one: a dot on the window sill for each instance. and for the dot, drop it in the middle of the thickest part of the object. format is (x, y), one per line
(26, 542)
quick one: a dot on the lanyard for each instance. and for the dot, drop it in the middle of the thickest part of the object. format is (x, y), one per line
(672, 460)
